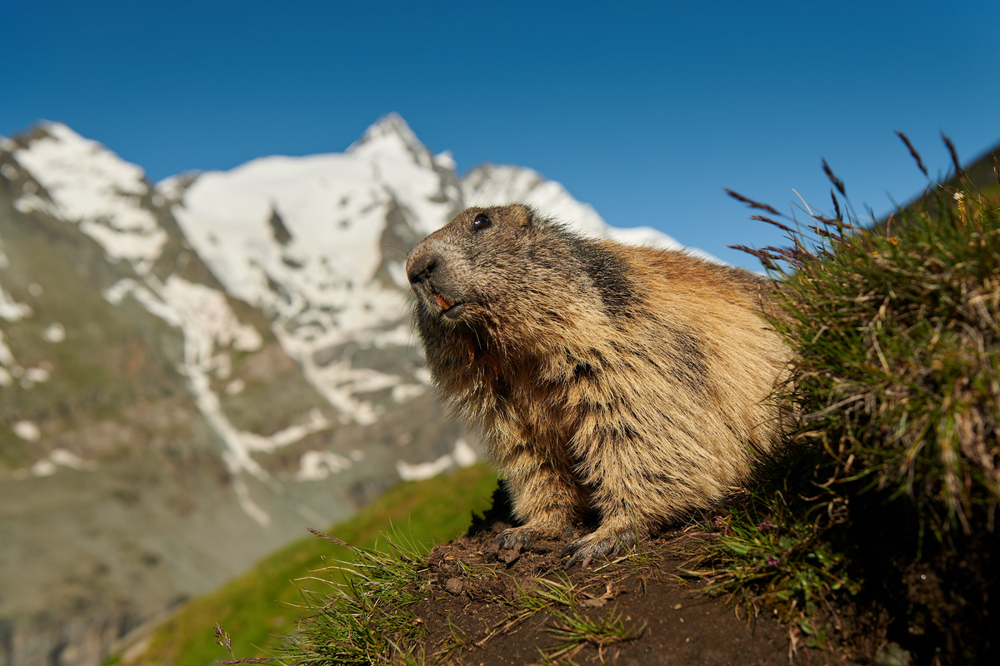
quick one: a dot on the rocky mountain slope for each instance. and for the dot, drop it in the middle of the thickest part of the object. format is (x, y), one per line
(193, 372)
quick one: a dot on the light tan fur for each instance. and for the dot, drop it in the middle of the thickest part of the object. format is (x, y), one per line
(631, 381)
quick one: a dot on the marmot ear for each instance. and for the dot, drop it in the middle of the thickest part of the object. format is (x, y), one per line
(526, 215)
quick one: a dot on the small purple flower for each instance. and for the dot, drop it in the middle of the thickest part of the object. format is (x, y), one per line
(773, 561)
(766, 526)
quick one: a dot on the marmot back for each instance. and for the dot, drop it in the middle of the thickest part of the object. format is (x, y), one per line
(630, 381)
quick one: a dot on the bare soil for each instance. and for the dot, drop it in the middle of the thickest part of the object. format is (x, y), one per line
(471, 615)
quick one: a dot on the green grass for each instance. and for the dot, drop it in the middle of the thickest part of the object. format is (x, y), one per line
(898, 370)
(361, 613)
(896, 386)
(366, 617)
(777, 549)
(261, 604)
(574, 631)
(572, 628)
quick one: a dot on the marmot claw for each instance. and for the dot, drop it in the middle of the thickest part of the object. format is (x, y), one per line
(585, 549)
(594, 545)
(516, 537)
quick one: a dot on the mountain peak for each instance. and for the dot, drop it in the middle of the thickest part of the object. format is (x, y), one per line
(392, 130)
(390, 123)
(64, 139)
(52, 147)
(94, 187)
(61, 131)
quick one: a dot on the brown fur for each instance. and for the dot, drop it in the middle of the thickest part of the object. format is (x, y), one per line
(626, 380)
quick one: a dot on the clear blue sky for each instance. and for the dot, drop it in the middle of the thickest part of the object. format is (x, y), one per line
(645, 110)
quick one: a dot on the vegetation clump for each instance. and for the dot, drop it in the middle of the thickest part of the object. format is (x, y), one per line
(896, 384)
(365, 619)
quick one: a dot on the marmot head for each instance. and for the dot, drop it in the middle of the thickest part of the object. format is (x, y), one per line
(505, 278)
(472, 262)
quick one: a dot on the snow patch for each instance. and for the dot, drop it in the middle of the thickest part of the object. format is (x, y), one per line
(71, 460)
(390, 135)
(59, 458)
(290, 435)
(11, 370)
(423, 375)
(28, 202)
(172, 188)
(445, 160)
(55, 333)
(97, 189)
(235, 387)
(207, 311)
(318, 465)
(36, 375)
(119, 290)
(6, 357)
(27, 430)
(11, 310)
(139, 248)
(43, 467)
(261, 517)
(462, 456)
(421, 471)
(405, 392)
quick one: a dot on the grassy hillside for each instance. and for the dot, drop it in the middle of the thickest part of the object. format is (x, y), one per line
(260, 604)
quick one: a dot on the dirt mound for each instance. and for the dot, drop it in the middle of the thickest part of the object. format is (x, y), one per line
(488, 606)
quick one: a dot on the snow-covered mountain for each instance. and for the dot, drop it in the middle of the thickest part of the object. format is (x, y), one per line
(192, 372)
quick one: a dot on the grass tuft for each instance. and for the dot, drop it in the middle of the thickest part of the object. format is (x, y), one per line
(364, 620)
(575, 631)
(896, 389)
(898, 371)
(775, 552)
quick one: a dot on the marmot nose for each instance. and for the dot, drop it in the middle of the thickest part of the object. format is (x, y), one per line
(421, 263)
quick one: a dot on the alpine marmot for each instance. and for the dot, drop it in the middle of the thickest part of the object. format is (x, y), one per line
(629, 381)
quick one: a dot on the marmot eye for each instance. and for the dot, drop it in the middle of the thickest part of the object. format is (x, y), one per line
(481, 222)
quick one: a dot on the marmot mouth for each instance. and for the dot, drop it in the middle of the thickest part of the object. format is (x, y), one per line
(442, 301)
(445, 302)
